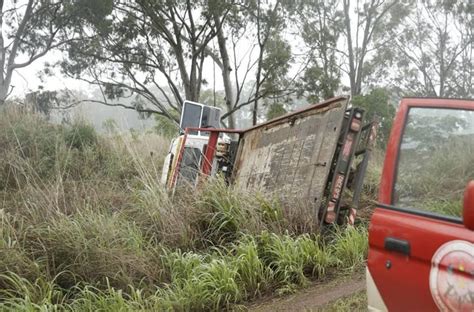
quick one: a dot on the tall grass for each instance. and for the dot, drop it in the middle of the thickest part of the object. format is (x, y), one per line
(196, 281)
(85, 225)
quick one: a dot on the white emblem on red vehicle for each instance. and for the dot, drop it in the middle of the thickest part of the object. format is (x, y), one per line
(452, 276)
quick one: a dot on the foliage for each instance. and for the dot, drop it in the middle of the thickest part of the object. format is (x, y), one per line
(166, 127)
(30, 29)
(226, 212)
(157, 54)
(275, 110)
(350, 247)
(367, 25)
(80, 136)
(321, 26)
(209, 281)
(138, 59)
(433, 56)
(377, 104)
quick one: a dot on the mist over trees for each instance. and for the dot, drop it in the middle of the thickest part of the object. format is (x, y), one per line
(264, 55)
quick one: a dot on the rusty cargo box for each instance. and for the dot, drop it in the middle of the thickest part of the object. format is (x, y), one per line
(291, 156)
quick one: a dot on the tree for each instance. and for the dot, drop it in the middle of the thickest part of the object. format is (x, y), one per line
(369, 37)
(321, 24)
(274, 55)
(255, 27)
(377, 105)
(28, 31)
(151, 50)
(156, 52)
(275, 110)
(434, 50)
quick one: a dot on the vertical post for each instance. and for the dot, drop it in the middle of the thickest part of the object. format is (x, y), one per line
(209, 153)
(175, 172)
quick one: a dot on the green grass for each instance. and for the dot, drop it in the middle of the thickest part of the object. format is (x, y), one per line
(350, 247)
(85, 225)
(214, 280)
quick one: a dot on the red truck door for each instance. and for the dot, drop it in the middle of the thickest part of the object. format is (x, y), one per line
(421, 256)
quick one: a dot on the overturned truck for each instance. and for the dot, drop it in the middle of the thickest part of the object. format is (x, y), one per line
(308, 158)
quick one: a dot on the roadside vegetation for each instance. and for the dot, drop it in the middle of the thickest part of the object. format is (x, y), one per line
(85, 225)
(356, 302)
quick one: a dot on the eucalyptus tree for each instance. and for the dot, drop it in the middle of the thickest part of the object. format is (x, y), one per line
(29, 29)
(254, 54)
(368, 29)
(434, 51)
(153, 51)
(321, 25)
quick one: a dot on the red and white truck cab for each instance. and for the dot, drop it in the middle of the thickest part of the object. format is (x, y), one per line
(421, 235)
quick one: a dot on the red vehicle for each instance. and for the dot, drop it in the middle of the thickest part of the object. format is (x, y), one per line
(421, 235)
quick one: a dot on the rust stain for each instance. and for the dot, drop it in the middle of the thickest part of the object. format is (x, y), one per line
(291, 156)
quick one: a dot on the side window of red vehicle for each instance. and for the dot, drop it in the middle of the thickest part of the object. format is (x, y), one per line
(436, 160)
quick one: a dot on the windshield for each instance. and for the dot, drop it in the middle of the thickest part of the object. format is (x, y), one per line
(191, 116)
(436, 160)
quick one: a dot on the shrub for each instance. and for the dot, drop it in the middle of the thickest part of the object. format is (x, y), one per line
(80, 136)
(350, 247)
(290, 258)
(253, 275)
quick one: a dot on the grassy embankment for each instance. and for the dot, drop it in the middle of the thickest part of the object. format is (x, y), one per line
(85, 225)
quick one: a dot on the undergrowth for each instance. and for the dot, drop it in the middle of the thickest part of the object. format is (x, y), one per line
(85, 225)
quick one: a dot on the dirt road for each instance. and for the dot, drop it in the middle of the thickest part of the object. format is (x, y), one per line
(313, 297)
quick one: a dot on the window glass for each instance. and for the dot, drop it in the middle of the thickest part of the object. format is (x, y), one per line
(210, 118)
(191, 117)
(205, 117)
(190, 165)
(206, 111)
(436, 160)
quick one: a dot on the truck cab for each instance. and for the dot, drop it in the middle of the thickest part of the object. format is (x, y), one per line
(421, 235)
(194, 115)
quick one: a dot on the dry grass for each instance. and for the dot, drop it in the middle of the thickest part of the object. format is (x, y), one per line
(85, 225)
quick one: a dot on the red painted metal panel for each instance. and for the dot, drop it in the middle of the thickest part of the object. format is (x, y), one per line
(404, 280)
(209, 153)
(391, 154)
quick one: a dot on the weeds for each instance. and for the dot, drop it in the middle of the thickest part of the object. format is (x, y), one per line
(350, 247)
(85, 225)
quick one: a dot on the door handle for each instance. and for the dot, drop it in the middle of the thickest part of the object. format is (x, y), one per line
(397, 245)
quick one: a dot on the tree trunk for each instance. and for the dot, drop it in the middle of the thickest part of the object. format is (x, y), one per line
(352, 70)
(226, 69)
(257, 87)
(3, 94)
(3, 88)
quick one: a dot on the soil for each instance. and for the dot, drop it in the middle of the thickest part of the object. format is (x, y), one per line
(313, 297)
